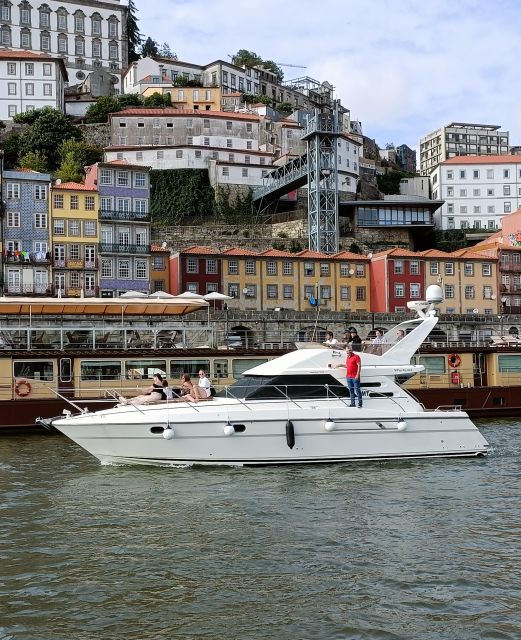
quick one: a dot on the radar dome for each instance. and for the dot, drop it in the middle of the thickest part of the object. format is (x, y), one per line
(434, 294)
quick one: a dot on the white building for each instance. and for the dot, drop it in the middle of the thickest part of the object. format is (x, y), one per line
(87, 34)
(30, 81)
(478, 191)
(461, 139)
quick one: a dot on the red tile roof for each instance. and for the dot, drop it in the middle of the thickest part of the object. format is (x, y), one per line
(200, 250)
(397, 253)
(72, 186)
(170, 112)
(29, 55)
(349, 255)
(469, 255)
(307, 253)
(505, 159)
(276, 253)
(434, 253)
(237, 251)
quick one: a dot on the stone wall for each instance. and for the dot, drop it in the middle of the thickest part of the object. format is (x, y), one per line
(96, 134)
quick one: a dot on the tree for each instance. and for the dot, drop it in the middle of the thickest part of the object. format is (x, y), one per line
(99, 111)
(74, 156)
(158, 100)
(246, 58)
(273, 66)
(29, 117)
(70, 170)
(10, 146)
(166, 52)
(46, 134)
(34, 160)
(180, 195)
(134, 37)
(285, 107)
(129, 100)
(149, 49)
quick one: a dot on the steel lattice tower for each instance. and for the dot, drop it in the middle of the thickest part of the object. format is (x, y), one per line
(322, 133)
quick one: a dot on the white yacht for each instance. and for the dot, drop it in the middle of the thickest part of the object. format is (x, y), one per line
(293, 409)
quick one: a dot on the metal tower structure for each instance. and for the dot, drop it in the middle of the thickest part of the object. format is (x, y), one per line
(321, 134)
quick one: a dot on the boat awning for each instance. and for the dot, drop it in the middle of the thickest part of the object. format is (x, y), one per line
(175, 306)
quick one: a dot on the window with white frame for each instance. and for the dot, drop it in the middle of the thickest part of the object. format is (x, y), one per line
(124, 269)
(192, 265)
(449, 268)
(250, 267)
(40, 192)
(89, 203)
(360, 294)
(74, 228)
(141, 269)
(487, 292)
(506, 173)
(399, 290)
(211, 266)
(507, 207)
(58, 227)
(309, 268)
(414, 267)
(233, 290)
(486, 269)
(325, 292)
(287, 268)
(75, 202)
(106, 268)
(11, 88)
(105, 177)
(40, 220)
(13, 218)
(226, 171)
(287, 292)
(13, 191)
(449, 291)
(324, 269)
(140, 180)
(469, 292)
(123, 180)
(89, 228)
(435, 268)
(74, 252)
(414, 290)
(360, 271)
(345, 293)
(271, 268)
(398, 267)
(468, 269)
(233, 267)
(490, 174)
(140, 206)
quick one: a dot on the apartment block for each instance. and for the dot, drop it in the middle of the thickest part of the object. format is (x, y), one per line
(461, 139)
(75, 239)
(124, 219)
(26, 268)
(86, 35)
(477, 191)
(30, 81)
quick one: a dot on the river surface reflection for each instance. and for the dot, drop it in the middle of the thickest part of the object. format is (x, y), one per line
(423, 550)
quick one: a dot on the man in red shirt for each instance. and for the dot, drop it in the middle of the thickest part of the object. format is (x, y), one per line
(353, 367)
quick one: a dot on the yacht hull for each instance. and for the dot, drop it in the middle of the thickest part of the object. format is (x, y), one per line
(245, 435)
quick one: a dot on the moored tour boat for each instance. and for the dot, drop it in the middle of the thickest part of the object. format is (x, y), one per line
(291, 409)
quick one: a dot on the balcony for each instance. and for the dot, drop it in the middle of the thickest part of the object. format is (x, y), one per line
(141, 249)
(509, 266)
(28, 259)
(127, 216)
(28, 290)
(74, 263)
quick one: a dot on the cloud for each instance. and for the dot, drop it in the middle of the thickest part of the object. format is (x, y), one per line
(402, 67)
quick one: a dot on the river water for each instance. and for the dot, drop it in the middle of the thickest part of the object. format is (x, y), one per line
(419, 550)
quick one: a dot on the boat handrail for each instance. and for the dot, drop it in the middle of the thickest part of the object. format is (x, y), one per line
(448, 407)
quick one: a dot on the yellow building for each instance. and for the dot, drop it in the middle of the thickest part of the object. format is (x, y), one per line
(198, 98)
(468, 280)
(159, 270)
(74, 239)
(279, 279)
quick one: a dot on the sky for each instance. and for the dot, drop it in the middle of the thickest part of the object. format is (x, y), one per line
(402, 67)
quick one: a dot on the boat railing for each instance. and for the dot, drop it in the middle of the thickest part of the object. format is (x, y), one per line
(448, 407)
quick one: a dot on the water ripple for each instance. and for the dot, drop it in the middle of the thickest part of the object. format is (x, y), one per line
(398, 550)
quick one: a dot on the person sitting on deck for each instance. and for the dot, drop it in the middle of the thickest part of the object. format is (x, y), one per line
(191, 392)
(155, 393)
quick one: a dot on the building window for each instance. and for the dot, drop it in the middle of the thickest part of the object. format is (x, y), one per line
(89, 228)
(79, 22)
(179, 153)
(13, 219)
(113, 51)
(414, 267)
(309, 268)
(287, 268)
(468, 269)
(475, 174)
(89, 203)
(507, 207)
(490, 174)
(233, 267)
(96, 24)
(345, 293)
(272, 292)
(11, 88)
(29, 89)
(5, 11)
(399, 290)
(11, 68)
(486, 269)
(226, 171)
(211, 266)
(11, 110)
(506, 173)
(45, 41)
(79, 46)
(360, 294)
(25, 39)
(449, 268)
(74, 202)
(106, 268)
(192, 265)
(435, 268)
(244, 172)
(414, 290)
(287, 292)
(58, 200)
(449, 291)
(487, 292)
(62, 43)
(469, 292)
(450, 175)
(360, 271)
(229, 143)
(40, 192)
(47, 89)
(74, 228)
(324, 269)
(271, 268)
(462, 174)
(59, 227)
(113, 27)
(5, 38)
(25, 14)
(96, 48)
(250, 267)
(123, 269)
(123, 180)
(141, 269)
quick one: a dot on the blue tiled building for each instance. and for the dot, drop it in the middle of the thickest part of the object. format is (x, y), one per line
(124, 218)
(26, 259)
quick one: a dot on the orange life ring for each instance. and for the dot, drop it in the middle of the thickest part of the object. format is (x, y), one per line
(22, 388)
(454, 360)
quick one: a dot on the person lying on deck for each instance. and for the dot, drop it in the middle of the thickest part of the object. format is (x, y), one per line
(154, 393)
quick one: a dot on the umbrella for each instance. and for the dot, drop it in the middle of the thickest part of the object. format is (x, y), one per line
(215, 295)
(188, 295)
(159, 295)
(134, 294)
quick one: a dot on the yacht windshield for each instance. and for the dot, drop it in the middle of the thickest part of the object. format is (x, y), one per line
(280, 387)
